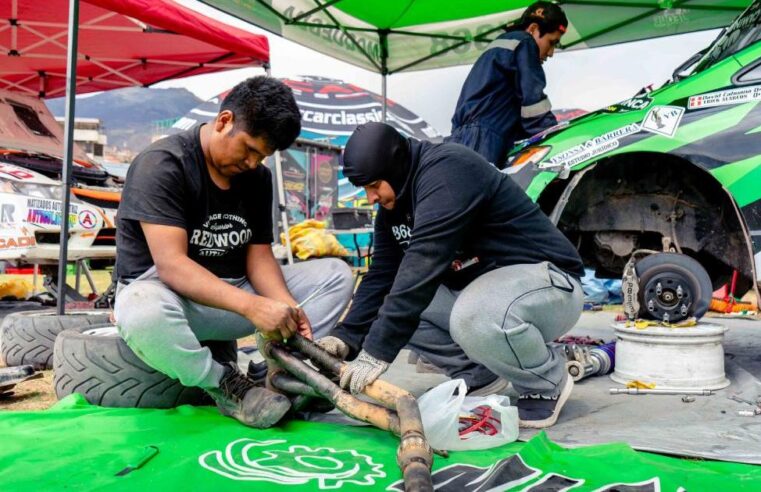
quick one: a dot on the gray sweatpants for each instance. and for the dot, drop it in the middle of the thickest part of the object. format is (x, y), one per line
(500, 325)
(165, 329)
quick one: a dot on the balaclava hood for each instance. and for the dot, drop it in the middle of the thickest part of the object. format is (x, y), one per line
(377, 151)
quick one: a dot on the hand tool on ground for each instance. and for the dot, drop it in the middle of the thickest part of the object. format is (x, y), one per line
(148, 454)
(396, 411)
(11, 376)
(644, 391)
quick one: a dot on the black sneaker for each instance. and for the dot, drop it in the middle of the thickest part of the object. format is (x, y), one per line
(539, 411)
(238, 397)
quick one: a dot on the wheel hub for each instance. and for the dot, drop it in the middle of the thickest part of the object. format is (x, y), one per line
(668, 296)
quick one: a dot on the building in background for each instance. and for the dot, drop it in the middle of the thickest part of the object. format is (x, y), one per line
(88, 134)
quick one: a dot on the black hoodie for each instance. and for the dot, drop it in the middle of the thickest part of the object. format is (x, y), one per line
(455, 218)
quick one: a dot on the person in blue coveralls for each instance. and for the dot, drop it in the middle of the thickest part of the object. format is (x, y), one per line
(502, 100)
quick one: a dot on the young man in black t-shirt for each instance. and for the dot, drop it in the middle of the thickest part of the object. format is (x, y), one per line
(194, 257)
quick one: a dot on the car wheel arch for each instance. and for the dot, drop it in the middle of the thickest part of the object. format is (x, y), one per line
(626, 174)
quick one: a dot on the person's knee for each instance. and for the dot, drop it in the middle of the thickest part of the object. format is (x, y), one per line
(140, 308)
(341, 275)
(461, 324)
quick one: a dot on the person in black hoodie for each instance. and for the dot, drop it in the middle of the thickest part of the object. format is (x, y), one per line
(467, 271)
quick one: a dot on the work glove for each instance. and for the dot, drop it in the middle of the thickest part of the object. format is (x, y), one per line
(362, 371)
(334, 346)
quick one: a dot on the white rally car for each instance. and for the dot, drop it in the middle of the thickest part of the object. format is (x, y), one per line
(30, 221)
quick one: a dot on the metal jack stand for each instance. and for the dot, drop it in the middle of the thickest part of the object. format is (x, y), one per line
(398, 411)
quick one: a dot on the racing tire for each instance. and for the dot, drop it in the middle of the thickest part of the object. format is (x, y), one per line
(27, 337)
(672, 287)
(98, 364)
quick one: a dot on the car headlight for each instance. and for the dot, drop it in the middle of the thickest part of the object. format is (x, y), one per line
(34, 190)
(531, 155)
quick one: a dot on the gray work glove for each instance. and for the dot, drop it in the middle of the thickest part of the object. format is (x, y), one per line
(362, 371)
(334, 346)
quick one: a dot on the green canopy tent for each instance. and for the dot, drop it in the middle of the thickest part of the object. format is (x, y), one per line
(390, 36)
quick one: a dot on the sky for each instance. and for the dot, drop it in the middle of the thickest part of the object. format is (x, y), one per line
(587, 79)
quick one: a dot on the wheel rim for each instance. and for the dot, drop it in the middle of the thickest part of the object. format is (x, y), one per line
(669, 296)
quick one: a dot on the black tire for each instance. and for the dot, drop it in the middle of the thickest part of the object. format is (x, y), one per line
(672, 287)
(108, 373)
(28, 337)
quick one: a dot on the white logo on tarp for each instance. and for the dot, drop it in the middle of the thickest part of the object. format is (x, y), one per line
(663, 120)
(272, 461)
(591, 148)
(725, 98)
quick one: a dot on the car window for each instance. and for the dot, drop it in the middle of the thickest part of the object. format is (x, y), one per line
(29, 117)
(752, 75)
(743, 32)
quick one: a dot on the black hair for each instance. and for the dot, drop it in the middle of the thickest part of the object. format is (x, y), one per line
(264, 107)
(547, 15)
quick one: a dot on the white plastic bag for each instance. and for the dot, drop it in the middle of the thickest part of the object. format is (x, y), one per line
(442, 406)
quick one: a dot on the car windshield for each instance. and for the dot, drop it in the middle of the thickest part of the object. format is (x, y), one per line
(743, 32)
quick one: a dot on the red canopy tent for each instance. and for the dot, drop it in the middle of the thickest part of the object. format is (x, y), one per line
(54, 47)
(122, 43)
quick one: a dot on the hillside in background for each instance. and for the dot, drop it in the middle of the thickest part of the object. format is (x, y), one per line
(128, 115)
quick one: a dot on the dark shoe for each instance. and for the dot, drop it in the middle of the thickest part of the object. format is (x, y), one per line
(238, 397)
(539, 411)
(257, 372)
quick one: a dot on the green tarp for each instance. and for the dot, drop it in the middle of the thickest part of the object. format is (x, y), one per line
(76, 446)
(388, 36)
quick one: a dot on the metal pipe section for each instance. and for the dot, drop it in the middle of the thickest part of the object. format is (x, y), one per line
(381, 391)
(289, 384)
(414, 456)
(351, 406)
(68, 150)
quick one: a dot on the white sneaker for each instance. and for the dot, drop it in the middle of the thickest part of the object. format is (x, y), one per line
(497, 386)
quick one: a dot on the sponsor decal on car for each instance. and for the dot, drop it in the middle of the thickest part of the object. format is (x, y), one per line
(591, 148)
(663, 120)
(87, 219)
(15, 172)
(634, 104)
(12, 237)
(47, 217)
(725, 98)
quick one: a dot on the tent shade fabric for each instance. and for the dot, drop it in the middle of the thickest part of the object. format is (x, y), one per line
(115, 48)
(388, 36)
(330, 111)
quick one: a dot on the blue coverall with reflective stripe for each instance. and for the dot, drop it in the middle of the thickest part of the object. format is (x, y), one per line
(503, 98)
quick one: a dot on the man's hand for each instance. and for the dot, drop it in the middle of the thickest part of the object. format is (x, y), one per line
(334, 346)
(362, 371)
(274, 319)
(304, 325)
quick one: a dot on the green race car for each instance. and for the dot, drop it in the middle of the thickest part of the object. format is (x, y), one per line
(675, 171)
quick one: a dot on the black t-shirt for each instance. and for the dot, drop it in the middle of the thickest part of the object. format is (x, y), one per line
(169, 184)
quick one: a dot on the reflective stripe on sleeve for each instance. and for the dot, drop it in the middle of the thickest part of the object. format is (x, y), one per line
(507, 44)
(537, 109)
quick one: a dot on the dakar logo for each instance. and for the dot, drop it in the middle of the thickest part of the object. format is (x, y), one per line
(246, 459)
(513, 472)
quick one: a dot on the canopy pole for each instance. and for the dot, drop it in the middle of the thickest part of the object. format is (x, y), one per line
(281, 205)
(385, 96)
(383, 38)
(68, 148)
